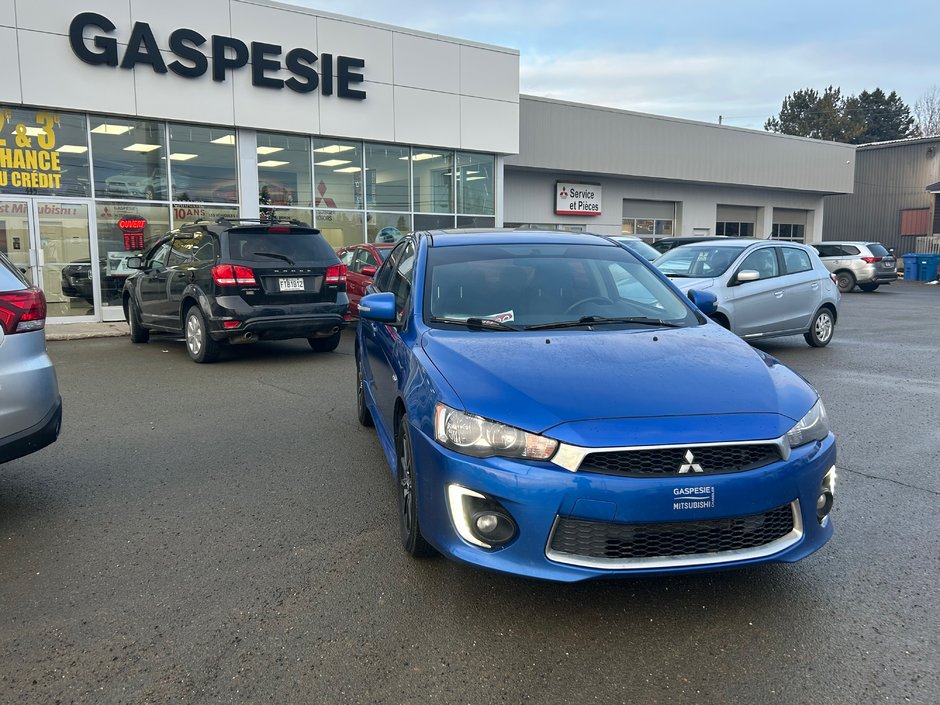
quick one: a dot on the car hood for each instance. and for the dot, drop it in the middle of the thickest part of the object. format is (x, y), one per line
(539, 381)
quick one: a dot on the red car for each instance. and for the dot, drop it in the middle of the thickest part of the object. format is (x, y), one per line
(362, 262)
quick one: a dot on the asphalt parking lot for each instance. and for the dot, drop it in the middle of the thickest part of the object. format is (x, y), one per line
(227, 533)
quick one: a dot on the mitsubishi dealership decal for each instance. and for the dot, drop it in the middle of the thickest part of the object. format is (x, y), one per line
(577, 199)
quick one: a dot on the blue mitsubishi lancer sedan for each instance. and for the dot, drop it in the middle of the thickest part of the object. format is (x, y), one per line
(552, 406)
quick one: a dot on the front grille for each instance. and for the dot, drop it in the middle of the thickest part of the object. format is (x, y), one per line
(711, 460)
(623, 542)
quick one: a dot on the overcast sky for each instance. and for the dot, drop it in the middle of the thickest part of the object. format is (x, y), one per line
(695, 59)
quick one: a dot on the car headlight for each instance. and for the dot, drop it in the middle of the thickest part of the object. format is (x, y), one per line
(474, 435)
(812, 427)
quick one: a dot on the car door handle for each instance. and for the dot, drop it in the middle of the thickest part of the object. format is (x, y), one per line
(778, 294)
(814, 285)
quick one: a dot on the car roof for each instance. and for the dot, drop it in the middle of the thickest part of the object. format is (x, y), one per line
(497, 236)
(863, 243)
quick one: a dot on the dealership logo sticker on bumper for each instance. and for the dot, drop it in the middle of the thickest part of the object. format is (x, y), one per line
(693, 498)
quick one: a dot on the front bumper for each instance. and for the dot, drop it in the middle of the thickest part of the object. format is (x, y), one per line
(540, 495)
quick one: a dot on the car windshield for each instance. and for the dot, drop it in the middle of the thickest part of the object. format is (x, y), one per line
(698, 261)
(641, 248)
(545, 285)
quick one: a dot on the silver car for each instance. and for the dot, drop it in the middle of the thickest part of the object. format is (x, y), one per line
(867, 264)
(764, 288)
(30, 405)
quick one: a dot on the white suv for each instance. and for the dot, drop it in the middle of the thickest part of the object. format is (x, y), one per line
(862, 263)
(30, 405)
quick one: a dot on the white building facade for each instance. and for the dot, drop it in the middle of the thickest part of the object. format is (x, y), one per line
(121, 119)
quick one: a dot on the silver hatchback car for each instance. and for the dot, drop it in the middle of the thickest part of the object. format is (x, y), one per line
(30, 405)
(867, 264)
(765, 288)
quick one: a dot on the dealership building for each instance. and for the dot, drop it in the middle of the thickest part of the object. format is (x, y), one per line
(122, 119)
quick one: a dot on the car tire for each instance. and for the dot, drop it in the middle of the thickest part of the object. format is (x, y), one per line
(868, 288)
(199, 344)
(139, 334)
(821, 329)
(412, 540)
(325, 344)
(362, 411)
(149, 193)
(845, 281)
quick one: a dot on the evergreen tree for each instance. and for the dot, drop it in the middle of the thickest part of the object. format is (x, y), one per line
(869, 117)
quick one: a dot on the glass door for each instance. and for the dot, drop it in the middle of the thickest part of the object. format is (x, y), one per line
(52, 240)
(16, 224)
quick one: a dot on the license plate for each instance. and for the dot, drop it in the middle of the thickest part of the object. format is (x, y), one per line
(292, 284)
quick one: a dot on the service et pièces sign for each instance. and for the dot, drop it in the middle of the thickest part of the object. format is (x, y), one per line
(577, 199)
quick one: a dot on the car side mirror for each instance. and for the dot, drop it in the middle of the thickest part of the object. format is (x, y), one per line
(368, 270)
(747, 275)
(378, 307)
(704, 301)
(134, 262)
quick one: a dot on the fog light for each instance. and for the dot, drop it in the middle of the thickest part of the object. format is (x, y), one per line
(823, 505)
(495, 528)
(478, 519)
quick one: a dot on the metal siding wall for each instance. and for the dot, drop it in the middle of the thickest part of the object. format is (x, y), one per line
(889, 179)
(594, 140)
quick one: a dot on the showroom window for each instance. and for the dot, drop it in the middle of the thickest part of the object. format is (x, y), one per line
(48, 153)
(203, 164)
(123, 229)
(476, 183)
(337, 172)
(433, 179)
(387, 178)
(284, 172)
(340, 228)
(129, 159)
(387, 227)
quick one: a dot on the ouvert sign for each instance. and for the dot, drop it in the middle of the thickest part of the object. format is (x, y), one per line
(226, 53)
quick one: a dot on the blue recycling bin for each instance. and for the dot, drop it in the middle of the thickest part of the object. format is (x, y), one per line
(910, 267)
(927, 267)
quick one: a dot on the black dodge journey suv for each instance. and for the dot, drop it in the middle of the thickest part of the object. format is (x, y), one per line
(236, 281)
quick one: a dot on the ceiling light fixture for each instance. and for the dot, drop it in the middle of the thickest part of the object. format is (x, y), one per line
(141, 147)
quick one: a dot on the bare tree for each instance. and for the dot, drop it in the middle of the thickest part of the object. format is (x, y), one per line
(927, 113)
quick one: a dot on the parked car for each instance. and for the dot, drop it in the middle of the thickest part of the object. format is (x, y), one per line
(140, 186)
(362, 262)
(551, 406)
(866, 264)
(634, 243)
(765, 288)
(30, 405)
(228, 282)
(664, 244)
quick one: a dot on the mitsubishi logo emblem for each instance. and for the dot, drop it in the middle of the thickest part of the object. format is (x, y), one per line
(689, 465)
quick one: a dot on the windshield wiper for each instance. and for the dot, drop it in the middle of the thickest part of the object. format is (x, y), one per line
(275, 255)
(475, 323)
(594, 320)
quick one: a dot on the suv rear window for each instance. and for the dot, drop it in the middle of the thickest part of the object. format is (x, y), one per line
(297, 245)
(878, 250)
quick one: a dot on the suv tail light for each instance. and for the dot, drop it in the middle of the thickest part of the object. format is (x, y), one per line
(336, 274)
(22, 311)
(228, 275)
(872, 260)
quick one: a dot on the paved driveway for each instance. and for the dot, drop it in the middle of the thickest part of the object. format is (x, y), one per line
(227, 534)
